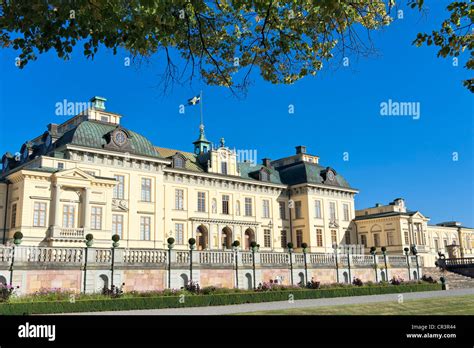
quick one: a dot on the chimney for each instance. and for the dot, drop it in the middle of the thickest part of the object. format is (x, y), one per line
(300, 149)
(266, 162)
(53, 129)
(98, 102)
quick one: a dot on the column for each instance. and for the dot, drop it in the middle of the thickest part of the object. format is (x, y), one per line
(57, 211)
(86, 208)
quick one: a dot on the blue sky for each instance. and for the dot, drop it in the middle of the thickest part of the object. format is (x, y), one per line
(335, 112)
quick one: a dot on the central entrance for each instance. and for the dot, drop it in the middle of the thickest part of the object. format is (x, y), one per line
(202, 237)
(226, 241)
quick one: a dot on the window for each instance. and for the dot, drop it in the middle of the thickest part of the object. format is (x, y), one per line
(178, 162)
(201, 202)
(179, 233)
(345, 209)
(224, 167)
(332, 210)
(237, 208)
(319, 237)
(317, 210)
(266, 208)
(60, 165)
(90, 158)
(445, 243)
(179, 199)
(104, 118)
(376, 239)
(284, 239)
(96, 218)
(334, 237)
(282, 210)
(264, 175)
(68, 215)
(299, 238)
(347, 237)
(390, 238)
(407, 240)
(298, 210)
(13, 220)
(225, 204)
(248, 206)
(146, 190)
(145, 228)
(267, 239)
(39, 214)
(119, 188)
(363, 240)
(436, 244)
(117, 224)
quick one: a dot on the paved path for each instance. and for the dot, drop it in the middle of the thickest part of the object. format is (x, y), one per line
(253, 307)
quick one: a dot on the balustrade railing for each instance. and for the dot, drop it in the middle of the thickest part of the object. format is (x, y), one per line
(321, 259)
(246, 257)
(274, 258)
(182, 257)
(103, 255)
(49, 254)
(362, 260)
(145, 256)
(216, 257)
(5, 254)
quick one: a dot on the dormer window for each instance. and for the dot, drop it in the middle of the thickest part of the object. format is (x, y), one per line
(178, 161)
(264, 175)
(224, 167)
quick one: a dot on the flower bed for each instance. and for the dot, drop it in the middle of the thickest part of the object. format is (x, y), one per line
(168, 299)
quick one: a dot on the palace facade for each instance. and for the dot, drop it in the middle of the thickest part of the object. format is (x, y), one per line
(92, 175)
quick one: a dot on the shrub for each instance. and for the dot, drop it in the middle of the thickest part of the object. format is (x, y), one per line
(193, 287)
(384, 249)
(290, 245)
(114, 291)
(304, 245)
(313, 284)
(89, 237)
(396, 280)
(428, 279)
(18, 235)
(116, 238)
(170, 240)
(253, 244)
(192, 241)
(236, 243)
(357, 282)
(6, 291)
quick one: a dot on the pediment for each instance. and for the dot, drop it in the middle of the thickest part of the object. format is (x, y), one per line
(74, 173)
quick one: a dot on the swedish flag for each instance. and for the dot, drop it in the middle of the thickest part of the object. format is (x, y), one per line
(194, 100)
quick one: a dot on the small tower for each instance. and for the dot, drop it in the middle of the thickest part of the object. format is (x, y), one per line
(202, 145)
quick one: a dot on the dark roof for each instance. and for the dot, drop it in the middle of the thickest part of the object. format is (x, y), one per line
(311, 173)
(191, 161)
(250, 171)
(92, 134)
(386, 214)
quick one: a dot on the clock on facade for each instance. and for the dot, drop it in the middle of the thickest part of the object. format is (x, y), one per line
(330, 175)
(120, 138)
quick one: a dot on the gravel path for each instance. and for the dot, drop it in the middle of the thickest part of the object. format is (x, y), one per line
(253, 307)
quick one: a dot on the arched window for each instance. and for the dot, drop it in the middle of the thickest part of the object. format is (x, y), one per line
(301, 276)
(248, 276)
(346, 277)
(103, 282)
(3, 280)
(415, 275)
(184, 279)
(382, 275)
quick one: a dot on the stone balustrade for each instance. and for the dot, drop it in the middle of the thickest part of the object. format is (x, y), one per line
(39, 255)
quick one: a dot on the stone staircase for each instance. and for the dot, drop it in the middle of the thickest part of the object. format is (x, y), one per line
(454, 280)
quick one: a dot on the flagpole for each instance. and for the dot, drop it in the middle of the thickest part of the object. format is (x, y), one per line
(200, 102)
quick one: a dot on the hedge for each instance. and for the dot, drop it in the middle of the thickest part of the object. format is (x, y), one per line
(123, 304)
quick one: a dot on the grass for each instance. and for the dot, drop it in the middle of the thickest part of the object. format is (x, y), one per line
(458, 305)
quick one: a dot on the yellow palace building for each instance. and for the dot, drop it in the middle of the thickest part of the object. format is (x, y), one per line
(90, 174)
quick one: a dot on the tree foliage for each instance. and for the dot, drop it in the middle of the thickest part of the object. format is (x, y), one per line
(221, 41)
(454, 36)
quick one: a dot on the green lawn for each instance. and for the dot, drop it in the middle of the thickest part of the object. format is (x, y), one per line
(459, 305)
